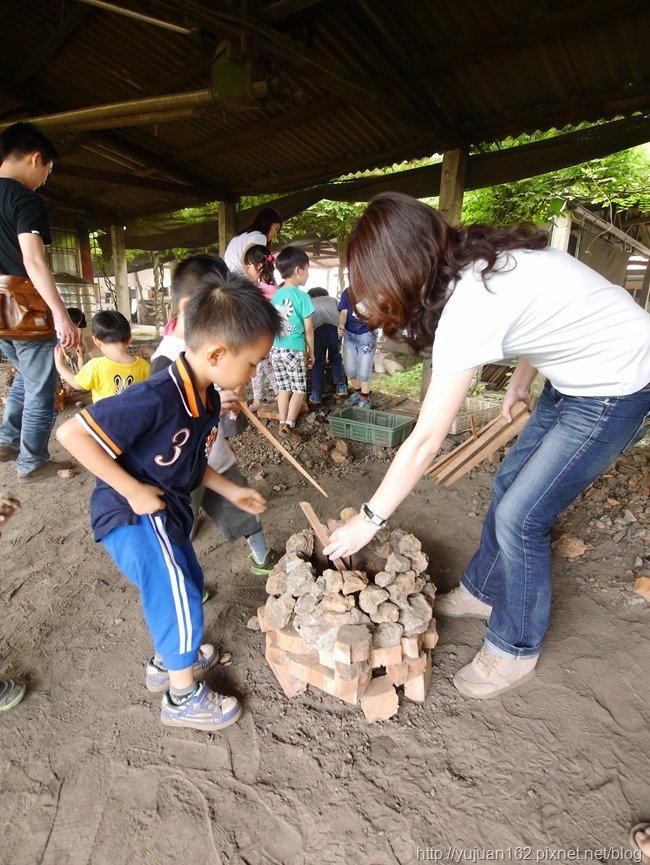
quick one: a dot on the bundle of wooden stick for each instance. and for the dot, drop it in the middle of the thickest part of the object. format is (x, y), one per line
(481, 446)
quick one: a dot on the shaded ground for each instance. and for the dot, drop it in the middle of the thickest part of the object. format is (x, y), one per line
(88, 776)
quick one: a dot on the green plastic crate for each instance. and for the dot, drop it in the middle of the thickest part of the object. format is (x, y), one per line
(377, 427)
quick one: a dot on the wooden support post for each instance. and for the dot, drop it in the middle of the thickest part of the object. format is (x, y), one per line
(226, 224)
(118, 246)
(452, 185)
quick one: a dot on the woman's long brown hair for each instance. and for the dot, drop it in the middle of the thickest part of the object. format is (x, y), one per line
(404, 259)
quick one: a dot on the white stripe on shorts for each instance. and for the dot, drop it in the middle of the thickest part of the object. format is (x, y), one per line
(177, 582)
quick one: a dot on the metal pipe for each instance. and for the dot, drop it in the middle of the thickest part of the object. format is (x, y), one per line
(125, 120)
(196, 99)
(138, 16)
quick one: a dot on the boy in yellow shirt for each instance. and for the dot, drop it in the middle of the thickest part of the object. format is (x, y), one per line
(116, 370)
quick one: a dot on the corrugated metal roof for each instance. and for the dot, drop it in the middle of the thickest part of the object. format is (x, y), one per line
(377, 82)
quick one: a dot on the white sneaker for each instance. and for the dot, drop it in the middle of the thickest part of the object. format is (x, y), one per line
(461, 602)
(489, 675)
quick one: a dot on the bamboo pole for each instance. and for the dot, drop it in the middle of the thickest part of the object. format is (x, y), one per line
(276, 444)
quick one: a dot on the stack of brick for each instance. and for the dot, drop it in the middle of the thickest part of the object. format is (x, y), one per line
(355, 636)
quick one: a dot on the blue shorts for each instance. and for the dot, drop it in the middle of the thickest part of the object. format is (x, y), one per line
(359, 354)
(170, 581)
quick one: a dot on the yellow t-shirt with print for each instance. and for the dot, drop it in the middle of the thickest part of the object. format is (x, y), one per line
(104, 377)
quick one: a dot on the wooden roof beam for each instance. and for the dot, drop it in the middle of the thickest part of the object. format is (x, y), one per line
(281, 9)
(584, 16)
(603, 106)
(304, 114)
(115, 177)
(322, 173)
(69, 23)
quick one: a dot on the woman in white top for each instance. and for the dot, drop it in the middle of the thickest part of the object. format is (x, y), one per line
(489, 294)
(262, 230)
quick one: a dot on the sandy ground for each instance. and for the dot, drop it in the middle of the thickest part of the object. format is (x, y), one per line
(89, 776)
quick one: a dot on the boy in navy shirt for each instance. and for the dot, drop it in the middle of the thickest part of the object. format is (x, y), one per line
(148, 448)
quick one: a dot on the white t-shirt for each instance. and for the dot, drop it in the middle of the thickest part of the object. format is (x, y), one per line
(238, 246)
(586, 335)
(221, 456)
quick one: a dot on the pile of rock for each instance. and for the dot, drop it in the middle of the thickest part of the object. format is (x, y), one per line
(357, 634)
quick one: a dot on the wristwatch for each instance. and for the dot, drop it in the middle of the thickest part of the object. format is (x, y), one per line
(371, 517)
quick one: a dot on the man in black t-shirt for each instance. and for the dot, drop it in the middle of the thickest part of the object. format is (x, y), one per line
(27, 160)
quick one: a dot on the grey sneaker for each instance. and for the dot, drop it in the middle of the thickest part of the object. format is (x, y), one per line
(489, 675)
(157, 679)
(205, 710)
(459, 602)
(11, 693)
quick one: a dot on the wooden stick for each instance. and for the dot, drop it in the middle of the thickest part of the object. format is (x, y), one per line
(321, 532)
(276, 444)
(507, 434)
(483, 445)
(446, 458)
(451, 461)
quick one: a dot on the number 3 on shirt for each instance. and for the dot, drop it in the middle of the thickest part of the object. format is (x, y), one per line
(178, 440)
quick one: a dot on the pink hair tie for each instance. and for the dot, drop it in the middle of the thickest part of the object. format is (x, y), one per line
(269, 258)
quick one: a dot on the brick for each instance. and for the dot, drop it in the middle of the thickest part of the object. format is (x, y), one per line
(327, 659)
(351, 671)
(398, 673)
(383, 656)
(309, 670)
(261, 618)
(379, 701)
(289, 684)
(430, 637)
(289, 640)
(351, 690)
(353, 644)
(411, 647)
(416, 688)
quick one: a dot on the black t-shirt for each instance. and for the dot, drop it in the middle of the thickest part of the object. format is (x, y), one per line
(21, 212)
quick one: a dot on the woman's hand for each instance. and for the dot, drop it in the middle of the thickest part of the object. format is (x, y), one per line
(515, 394)
(146, 499)
(350, 538)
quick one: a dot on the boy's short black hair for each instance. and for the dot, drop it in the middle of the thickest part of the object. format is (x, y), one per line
(19, 139)
(318, 292)
(189, 273)
(232, 310)
(109, 325)
(77, 316)
(289, 259)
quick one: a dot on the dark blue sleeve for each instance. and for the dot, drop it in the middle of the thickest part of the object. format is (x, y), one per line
(117, 422)
(344, 303)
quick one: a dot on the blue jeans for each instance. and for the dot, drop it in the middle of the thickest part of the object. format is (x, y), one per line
(565, 445)
(326, 344)
(359, 354)
(29, 411)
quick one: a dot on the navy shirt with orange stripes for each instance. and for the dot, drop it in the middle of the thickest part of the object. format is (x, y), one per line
(161, 432)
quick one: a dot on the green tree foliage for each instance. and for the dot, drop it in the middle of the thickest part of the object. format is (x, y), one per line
(618, 181)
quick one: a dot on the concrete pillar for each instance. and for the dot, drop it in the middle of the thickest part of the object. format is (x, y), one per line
(452, 187)
(118, 247)
(561, 231)
(226, 224)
